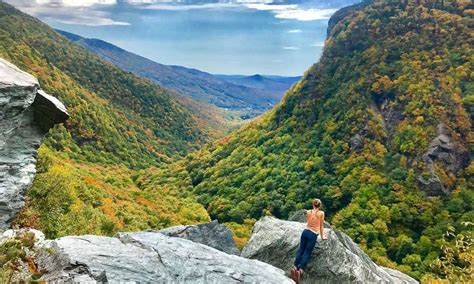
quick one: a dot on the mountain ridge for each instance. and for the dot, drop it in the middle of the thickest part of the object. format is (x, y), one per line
(271, 83)
(191, 82)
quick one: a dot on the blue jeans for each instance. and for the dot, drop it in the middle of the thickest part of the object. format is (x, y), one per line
(307, 244)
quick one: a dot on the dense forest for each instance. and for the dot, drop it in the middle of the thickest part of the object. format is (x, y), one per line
(118, 123)
(380, 129)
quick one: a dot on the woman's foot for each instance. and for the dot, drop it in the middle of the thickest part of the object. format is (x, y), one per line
(293, 273)
(297, 278)
(299, 275)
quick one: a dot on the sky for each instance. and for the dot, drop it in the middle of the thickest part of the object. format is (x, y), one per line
(245, 37)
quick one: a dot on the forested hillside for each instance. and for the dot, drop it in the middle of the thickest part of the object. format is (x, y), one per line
(118, 122)
(380, 129)
(136, 122)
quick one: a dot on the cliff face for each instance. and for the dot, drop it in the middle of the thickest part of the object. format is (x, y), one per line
(26, 115)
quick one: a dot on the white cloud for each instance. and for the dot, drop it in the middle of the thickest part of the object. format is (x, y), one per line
(294, 31)
(96, 13)
(294, 12)
(305, 15)
(266, 7)
(175, 5)
(144, 2)
(56, 10)
(92, 21)
(318, 44)
(76, 3)
(291, 48)
(253, 1)
(281, 11)
(178, 7)
(197, 2)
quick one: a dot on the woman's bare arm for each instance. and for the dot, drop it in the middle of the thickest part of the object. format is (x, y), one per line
(321, 226)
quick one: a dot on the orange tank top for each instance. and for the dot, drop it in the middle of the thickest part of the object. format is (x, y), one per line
(313, 221)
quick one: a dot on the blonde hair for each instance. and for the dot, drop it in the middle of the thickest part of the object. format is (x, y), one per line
(317, 203)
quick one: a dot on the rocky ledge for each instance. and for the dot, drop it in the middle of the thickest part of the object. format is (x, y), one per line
(26, 115)
(142, 257)
(155, 257)
(335, 260)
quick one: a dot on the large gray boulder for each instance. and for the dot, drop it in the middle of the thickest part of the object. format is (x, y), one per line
(336, 260)
(147, 257)
(211, 234)
(26, 115)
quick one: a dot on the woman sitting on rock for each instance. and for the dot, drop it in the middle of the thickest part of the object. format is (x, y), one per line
(314, 227)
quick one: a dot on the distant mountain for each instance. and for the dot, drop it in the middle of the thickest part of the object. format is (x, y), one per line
(240, 95)
(272, 85)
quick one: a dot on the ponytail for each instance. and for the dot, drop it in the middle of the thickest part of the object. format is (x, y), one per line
(317, 203)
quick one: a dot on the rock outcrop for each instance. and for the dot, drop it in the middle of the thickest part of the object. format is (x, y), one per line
(335, 260)
(442, 152)
(147, 257)
(211, 234)
(26, 115)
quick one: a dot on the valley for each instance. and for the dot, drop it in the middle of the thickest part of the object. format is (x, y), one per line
(380, 129)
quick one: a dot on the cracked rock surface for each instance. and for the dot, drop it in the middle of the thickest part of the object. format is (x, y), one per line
(26, 115)
(148, 257)
(335, 260)
(210, 234)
